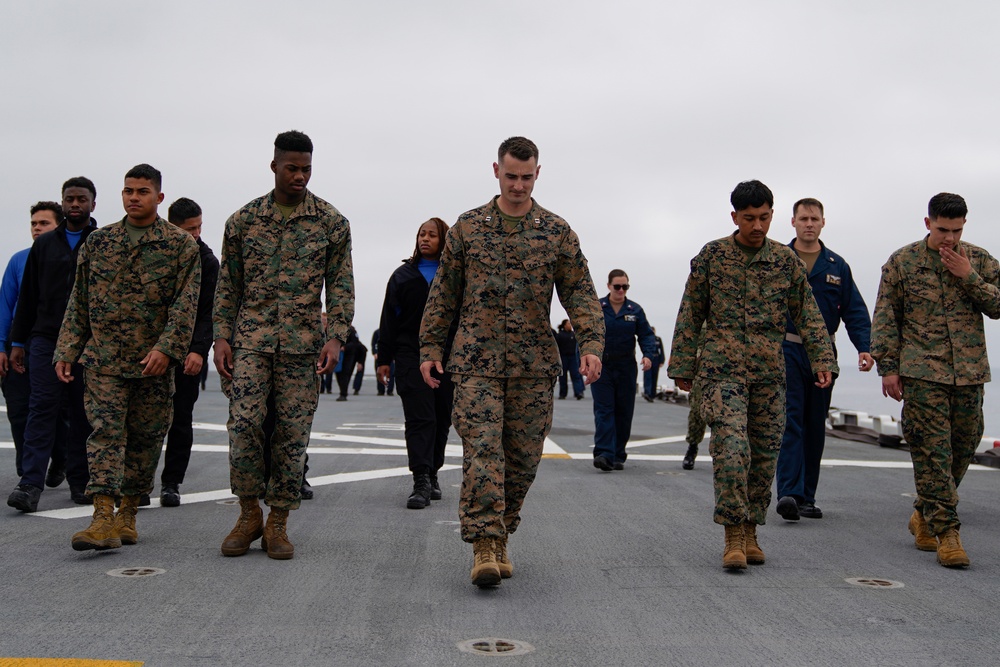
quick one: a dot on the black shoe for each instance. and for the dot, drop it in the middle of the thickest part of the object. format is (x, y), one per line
(55, 476)
(649, 399)
(356, 391)
(602, 463)
(435, 488)
(306, 491)
(788, 508)
(341, 398)
(562, 398)
(619, 465)
(421, 496)
(810, 511)
(78, 494)
(24, 497)
(579, 397)
(692, 453)
(388, 393)
(170, 496)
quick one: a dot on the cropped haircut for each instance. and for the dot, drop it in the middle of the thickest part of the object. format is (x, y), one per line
(616, 273)
(562, 325)
(81, 182)
(183, 209)
(442, 230)
(946, 205)
(49, 206)
(808, 201)
(751, 194)
(148, 172)
(292, 141)
(518, 148)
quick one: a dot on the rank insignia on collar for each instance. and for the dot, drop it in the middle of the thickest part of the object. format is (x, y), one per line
(538, 221)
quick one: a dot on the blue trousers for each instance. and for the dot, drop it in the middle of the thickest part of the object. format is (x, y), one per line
(614, 403)
(806, 408)
(48, 406)
(650, 379)
(16, 390)
(570, 366)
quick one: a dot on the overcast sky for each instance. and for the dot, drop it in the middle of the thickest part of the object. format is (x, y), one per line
(646, 116)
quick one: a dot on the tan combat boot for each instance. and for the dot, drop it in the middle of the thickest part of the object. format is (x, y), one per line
(485, 571)
(734, 557)
(248, 528)
(921, 534)
(750, 547)
(101, 533)
(125, 520)
(504, 563)
(949, 550)
(275, 541)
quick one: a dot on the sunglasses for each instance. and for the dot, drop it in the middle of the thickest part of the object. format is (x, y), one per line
(621, 287)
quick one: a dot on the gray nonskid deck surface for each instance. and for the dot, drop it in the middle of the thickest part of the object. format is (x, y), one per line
(611, 568)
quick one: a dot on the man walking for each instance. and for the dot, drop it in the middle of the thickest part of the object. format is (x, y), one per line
(499, 266)
(929, 342)
(278, 252)
(741, 288)
(129, 318)
(806, 405)
(45, 216)
(49, 276)
(186, 214)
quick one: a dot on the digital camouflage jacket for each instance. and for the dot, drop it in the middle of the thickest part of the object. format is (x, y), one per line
(743, 309)
(273, 274)
(499, 285)
(928, 322)
(129, 300)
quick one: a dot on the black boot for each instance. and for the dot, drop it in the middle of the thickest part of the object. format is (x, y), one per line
(692, 452)
(421, 496)
(435, 487)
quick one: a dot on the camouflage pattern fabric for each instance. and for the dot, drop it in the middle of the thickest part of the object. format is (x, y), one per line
(273, 273)
(503, 423)
(928, 323)
(128, 299)
(696, 423)
(499, 285)
(130, 418)
(728, 334)
(943, 424)
(296, 394)
(743, 309)
(747, 421)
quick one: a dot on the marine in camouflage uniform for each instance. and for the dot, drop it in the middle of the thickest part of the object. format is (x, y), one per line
(496, 276)
(929, 342)
(134, 299)
(268, 309)
(740, 293)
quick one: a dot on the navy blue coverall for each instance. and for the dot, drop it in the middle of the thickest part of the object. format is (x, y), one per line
(614, 391)
(806, 405)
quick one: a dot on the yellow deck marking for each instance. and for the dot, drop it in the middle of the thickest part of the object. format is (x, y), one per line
(67, 662)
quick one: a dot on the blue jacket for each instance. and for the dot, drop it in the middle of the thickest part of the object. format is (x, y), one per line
(838, 298)
(9, 291)
(622, 330)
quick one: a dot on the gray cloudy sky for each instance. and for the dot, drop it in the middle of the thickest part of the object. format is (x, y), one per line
(646, 115)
